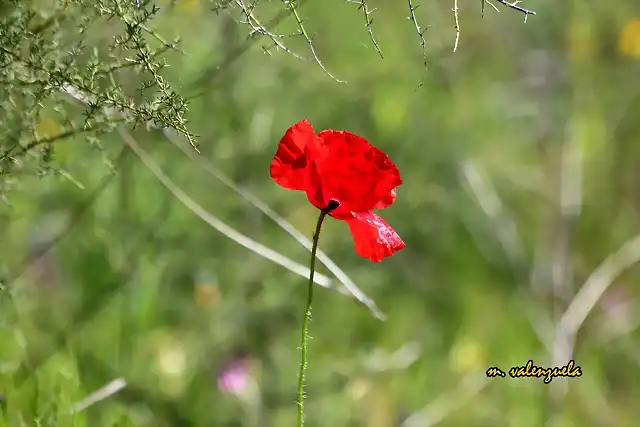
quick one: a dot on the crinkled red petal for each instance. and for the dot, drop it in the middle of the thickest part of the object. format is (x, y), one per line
(346, 168)
(373, 237)
(289, 166)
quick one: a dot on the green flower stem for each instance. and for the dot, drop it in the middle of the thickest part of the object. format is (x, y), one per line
(305, 320)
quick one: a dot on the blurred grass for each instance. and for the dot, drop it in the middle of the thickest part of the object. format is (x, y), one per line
(120, 294)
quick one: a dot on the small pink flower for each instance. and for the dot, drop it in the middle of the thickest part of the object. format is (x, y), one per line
(235, 378)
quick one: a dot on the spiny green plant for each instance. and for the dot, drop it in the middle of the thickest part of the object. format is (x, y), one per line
(49, 51)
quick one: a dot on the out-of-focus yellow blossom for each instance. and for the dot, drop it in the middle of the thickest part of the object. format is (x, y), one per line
(171, 361)
(207, 295)
(629, 40)
(466, 356)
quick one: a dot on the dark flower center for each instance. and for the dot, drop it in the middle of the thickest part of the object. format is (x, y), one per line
(333, 205)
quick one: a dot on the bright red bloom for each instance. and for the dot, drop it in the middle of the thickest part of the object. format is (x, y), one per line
(342, 168)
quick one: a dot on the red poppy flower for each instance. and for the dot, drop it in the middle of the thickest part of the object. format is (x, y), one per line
(345, 175)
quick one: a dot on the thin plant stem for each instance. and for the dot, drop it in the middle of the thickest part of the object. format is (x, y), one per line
(305, 320)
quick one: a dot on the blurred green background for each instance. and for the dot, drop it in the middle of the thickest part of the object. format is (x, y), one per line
(521, 166)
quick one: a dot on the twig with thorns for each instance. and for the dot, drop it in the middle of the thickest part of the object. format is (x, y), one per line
(258, 28)
(362, 5)
(120, 13)
(513, 5)
(291, 5)
(457, 24)
(420, 32)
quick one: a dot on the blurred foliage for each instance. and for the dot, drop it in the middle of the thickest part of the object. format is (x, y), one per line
(519, 157)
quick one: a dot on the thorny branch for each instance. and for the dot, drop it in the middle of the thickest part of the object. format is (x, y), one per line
(291, 5)
(258, 28)
(362, 5)
(513, 5)
(105, 10)
(457, 24)
(420, 32)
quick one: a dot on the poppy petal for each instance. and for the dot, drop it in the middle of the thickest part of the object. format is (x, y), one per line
(351, 171)
(387, 200)
(318, 197)
(289, 166)
(373, 237)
